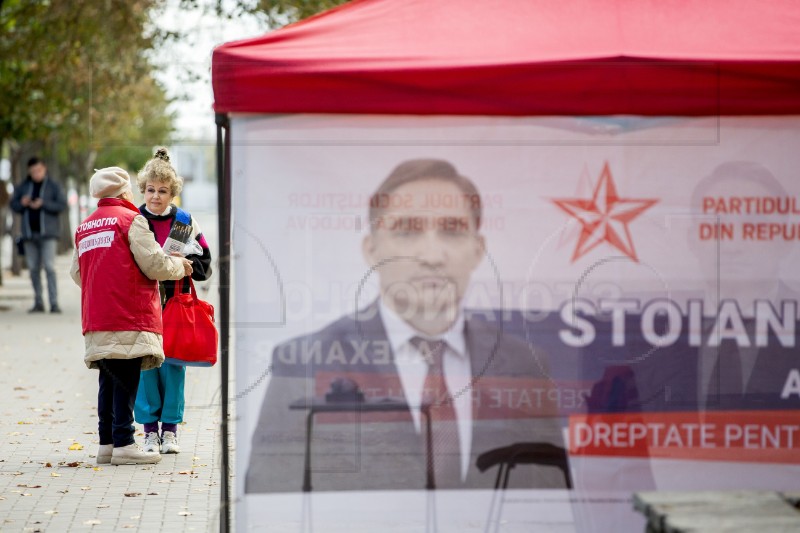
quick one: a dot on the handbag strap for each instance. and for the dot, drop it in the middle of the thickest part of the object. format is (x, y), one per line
(179, 287)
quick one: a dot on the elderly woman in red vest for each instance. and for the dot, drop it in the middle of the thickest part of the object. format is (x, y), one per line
(117, 263)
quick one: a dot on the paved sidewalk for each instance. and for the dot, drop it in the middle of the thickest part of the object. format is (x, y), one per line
(48, 433)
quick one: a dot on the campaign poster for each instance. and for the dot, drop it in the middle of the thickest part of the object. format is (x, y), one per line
(607, 304)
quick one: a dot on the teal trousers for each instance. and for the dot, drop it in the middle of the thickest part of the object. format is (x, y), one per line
(160, 395)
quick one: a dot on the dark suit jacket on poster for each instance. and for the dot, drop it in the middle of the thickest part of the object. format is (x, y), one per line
(383, 451)
(667, 378)
(671, 382)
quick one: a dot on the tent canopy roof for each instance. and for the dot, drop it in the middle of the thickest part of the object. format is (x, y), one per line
(522, 57)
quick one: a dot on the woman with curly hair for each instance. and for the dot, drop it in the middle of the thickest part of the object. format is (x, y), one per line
(160, 397)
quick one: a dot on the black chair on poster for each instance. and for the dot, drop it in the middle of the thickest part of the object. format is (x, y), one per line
(524, 453)
(520, 453)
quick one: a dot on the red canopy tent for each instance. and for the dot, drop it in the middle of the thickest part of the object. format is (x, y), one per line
(522, 57)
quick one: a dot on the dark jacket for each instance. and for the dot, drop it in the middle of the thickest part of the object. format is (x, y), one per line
(54, 202)
(201, 264)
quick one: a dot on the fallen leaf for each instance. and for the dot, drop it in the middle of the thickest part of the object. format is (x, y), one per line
(92, 523)
(52, 511)
(29, 486)
(76, 446)
(184, 513)
(55, 474)
(24, 422)
(48, 465)
(152, 494)
(86, 488)
(103, 506)
(186, 472)
(73, 464)
(133, 494)
(63, 491)
(97, 468)
(27, 494)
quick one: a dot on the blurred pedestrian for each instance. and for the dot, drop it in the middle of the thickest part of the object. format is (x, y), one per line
(161, 390)
(40, 200)
(116, 263)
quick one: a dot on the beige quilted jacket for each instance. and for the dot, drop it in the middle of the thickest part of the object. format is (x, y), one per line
(131, 344)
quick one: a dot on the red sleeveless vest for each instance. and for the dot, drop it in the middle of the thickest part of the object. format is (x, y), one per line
(115, 295)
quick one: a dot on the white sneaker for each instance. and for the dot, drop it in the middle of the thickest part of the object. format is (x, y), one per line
(151, 442)
(104, 454)
(169, 443)
(133, 455)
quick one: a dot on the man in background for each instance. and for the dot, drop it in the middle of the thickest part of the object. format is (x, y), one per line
(40, 200)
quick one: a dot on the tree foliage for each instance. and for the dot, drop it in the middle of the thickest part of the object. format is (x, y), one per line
(77, 72)
(282, 11)
(276, 12)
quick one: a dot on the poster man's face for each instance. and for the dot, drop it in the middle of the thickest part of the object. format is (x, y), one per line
(425, 247)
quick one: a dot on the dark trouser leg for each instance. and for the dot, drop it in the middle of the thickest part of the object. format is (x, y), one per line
(48, 260)
(124, 373)
(105, 408)
(33, 258)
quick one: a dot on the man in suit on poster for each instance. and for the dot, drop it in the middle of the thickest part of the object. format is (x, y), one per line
(487, 389)
(743, 361)
(739, 358)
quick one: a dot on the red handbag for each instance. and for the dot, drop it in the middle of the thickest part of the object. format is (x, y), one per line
(190, 336)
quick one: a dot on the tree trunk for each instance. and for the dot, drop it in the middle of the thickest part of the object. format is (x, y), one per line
(4, 199)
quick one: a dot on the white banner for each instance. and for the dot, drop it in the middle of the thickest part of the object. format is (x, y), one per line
(586, 275)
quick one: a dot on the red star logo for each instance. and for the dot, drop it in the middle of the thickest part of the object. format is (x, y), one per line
(604, 217)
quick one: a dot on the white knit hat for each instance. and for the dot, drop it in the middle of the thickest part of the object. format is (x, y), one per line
(109, 182)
